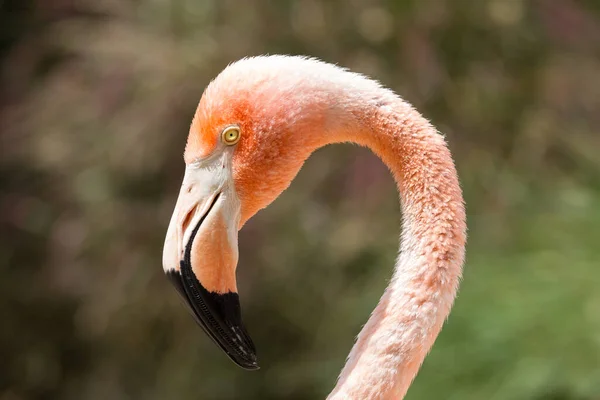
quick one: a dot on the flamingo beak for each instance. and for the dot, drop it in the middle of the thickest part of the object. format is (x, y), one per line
(200, 258)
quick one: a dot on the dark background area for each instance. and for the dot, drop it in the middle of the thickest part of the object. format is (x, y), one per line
(96, 98)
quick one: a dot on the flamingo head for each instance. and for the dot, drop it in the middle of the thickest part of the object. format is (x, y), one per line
(248, 139)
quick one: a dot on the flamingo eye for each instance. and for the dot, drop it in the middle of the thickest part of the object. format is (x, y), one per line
(231, 135)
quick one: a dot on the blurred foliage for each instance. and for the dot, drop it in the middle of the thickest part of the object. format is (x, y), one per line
(95, 102)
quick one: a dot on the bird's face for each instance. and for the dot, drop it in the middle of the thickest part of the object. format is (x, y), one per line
(235, 165)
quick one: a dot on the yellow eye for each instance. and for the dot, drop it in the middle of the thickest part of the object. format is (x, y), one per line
(231, 135)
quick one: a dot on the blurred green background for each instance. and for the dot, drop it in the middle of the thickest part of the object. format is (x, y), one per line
(96, 98)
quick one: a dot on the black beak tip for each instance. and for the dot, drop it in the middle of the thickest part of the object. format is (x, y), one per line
(253, 366)
(219, 315)
(248, 360)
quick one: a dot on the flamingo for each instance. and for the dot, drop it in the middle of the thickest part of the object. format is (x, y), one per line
(256, 124)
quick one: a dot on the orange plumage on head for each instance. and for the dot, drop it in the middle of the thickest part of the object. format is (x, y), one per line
(273, 145)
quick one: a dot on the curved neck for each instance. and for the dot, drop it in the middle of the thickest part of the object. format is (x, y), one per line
(401, 330)
(298, 105)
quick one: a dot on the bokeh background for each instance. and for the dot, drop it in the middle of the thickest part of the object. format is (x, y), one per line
(96, 98)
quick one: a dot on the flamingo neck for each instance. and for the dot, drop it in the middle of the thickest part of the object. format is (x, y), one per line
(402, 329)
(299, 105)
